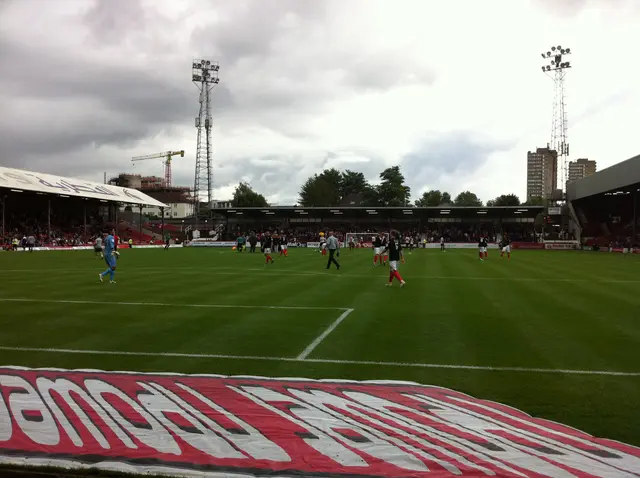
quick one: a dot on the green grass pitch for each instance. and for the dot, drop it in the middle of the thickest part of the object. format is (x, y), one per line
(211, 310)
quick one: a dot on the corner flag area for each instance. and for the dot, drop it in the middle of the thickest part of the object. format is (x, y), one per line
(552, 333)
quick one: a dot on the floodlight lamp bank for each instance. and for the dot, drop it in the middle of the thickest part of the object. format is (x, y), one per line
(555, 55)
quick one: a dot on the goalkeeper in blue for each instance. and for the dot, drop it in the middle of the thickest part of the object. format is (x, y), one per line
(109, 258)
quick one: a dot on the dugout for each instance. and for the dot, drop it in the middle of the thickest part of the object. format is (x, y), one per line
(606, 204)
(35, 203)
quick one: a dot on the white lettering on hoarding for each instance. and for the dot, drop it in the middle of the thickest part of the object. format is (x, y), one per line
(322, 400)
(335, 427)
(390, 410)
(29, 411)
(151, 433)
(63, 388)
(251, 441)
(200, 437)
(6, 428)
(530, 456)
(314, 437)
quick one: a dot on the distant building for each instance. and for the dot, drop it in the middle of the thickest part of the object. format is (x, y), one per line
(542, 173)
(178, 199)
(215, 204)
(580, 168)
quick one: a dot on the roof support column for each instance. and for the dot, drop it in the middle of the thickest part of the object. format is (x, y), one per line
(140, 219)
(49, 221)
(162, 223)
(634, 238)
(4, 200)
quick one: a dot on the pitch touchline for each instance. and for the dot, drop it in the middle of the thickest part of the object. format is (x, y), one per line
(162, 304)
(323, 361)
(235, 272)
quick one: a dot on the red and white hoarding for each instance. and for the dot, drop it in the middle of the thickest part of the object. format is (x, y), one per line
(247, 426)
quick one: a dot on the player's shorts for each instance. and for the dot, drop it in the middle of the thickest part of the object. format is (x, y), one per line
(393, 265)
(96, 248)
(506, 249)
(283, 247)
(110, 260)
(323, 245)
(482, 249)
(267, 250)
(377, 251)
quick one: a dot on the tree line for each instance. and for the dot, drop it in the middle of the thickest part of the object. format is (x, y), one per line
(334, 188)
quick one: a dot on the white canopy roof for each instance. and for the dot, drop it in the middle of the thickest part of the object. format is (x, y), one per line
(47, 183)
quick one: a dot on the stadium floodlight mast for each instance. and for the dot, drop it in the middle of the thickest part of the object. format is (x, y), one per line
(556, 67)
(204, 74)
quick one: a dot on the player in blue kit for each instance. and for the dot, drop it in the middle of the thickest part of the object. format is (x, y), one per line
(109, 257)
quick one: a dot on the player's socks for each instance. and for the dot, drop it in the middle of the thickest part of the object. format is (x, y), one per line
(375, 260)
(391, 276)
(385, 259)
(397, 275)
(509, 256)
(100, 277)
(481, 255)
(486, 254)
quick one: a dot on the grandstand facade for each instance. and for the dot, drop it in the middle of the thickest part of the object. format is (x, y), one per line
(606, 205)
(60, 211)
(460, 224)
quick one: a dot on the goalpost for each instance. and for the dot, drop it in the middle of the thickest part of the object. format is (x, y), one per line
(362, 239)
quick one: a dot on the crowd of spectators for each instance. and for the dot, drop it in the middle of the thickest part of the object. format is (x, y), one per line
(459, 233)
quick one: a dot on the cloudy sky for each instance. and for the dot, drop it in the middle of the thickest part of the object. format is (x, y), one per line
(452, 91)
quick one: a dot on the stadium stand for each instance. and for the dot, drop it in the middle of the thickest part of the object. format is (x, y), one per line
(456, 224)
(63, 212)
(606, 205)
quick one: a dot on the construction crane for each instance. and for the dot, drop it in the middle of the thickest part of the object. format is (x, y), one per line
(167, 155)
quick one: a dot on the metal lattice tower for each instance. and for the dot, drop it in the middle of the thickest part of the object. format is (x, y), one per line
(204, 75)
(556, 68)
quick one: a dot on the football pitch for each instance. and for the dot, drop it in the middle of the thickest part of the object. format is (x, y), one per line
(555, 334)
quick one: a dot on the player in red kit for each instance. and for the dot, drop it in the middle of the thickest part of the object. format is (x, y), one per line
(385, 247)
(116, 241)
(394, 249)
(267, 243)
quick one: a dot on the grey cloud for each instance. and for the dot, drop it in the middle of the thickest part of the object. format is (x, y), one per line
(110, 21)
(454, 153)
(249, 29)
(100, 105)
(570, 8)
(387, 70)
(65, 109)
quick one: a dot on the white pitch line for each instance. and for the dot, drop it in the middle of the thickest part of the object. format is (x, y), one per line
(323, 361)
(235, 272)
(305, 353)
(163, 304)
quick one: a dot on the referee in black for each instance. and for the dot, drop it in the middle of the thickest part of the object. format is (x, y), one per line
(334, 248)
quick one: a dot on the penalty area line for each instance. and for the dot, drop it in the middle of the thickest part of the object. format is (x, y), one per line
(163, 304)
(321, 361)
(305, 353)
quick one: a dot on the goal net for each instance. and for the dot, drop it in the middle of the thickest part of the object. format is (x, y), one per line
(362, 239)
